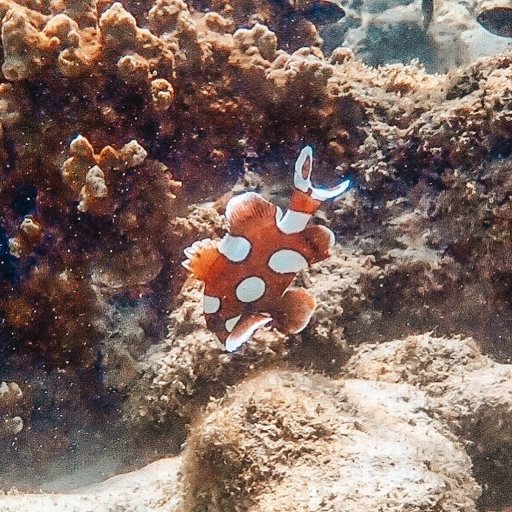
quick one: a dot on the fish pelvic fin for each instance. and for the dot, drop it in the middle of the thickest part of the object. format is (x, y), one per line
(201, 255)
(244, 329)
(319, 242)
(294, 311)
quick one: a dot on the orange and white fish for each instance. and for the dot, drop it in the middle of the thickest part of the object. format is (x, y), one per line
(247, 273)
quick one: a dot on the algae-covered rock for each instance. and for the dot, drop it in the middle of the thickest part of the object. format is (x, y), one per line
(286, 441)
(180, 374)
(150, 489)
(469, 392)
(402, 428)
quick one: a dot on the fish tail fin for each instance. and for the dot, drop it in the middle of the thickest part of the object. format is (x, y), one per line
(307, 198)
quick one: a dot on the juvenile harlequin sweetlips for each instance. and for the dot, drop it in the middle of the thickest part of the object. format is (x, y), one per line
(247, 273)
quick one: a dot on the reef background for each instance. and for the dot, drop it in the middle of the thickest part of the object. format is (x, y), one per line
(125, 128)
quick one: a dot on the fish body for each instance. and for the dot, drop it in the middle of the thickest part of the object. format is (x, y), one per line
(318, 12)
(324, 12)
(497, 20)
(248, 273)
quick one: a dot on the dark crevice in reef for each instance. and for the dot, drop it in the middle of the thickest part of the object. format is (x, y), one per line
(305, 354)
(23, 199)
(9, 152)
(493, 471)
(501, 148)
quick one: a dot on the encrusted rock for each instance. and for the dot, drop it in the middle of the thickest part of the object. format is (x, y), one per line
(286, 441)
(470, 391)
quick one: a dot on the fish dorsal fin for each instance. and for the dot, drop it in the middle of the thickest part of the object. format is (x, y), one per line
(201, 255)
(244, 329)
(294, 310)
(248, 207)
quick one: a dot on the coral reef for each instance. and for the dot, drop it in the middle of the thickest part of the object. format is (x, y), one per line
(150, 489)
(122, 123)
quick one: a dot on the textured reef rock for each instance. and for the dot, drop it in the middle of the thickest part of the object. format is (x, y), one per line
(287, 441)
(151, 489)
(412, 423)
(191, 366)
(469, 392)
(124, 130)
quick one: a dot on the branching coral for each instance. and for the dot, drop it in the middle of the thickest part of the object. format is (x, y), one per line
(84, 171)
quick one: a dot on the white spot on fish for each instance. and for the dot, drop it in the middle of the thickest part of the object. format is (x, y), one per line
(286, 261)
(250, 289)
(293, 222)
(231, 322)
(235, 248)
(211, 304)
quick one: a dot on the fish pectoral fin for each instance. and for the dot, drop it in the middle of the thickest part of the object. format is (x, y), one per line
(294, 310)
(319, 242)
(246, 208)
(201, 255)
(244, 329)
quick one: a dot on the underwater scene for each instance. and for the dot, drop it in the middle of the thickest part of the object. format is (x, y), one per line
(256, 256)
